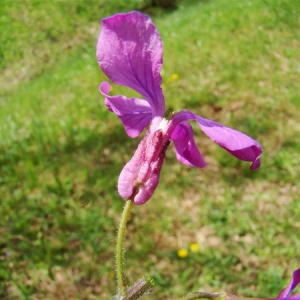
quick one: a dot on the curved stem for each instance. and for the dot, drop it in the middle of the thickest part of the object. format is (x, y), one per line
(203, 295)
(121, 281)
(218, 296)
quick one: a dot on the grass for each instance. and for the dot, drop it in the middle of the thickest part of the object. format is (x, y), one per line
(61, 152)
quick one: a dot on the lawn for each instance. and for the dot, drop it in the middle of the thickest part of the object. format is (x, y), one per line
(61, 152)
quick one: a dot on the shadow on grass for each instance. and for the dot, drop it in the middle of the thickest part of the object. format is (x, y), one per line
(60, 203)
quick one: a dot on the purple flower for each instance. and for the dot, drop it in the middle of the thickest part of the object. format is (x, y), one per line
(129, 52)
(286, 293)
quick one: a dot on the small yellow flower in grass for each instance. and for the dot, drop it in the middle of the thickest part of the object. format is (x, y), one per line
(194, 247)
(182, 253)
(173, 77)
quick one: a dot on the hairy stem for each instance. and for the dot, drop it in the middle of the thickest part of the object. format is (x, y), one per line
(203, 295)
(121, 280)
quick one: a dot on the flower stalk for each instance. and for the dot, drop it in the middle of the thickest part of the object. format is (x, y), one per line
(121, 279)
(204, 295)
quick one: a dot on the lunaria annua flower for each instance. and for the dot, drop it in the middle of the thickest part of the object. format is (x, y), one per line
(129, 52)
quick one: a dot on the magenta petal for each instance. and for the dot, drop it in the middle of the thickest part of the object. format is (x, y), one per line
(129, 52)
(292, 284)
(236, 143)
(135, 114)
(185, 146)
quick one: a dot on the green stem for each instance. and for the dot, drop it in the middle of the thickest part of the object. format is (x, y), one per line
(121, 281)
(209, 296)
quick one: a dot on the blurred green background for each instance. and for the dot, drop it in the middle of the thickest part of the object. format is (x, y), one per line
(61, 151)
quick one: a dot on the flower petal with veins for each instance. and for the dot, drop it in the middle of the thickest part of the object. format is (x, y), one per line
(135, 114)
(129, 52)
